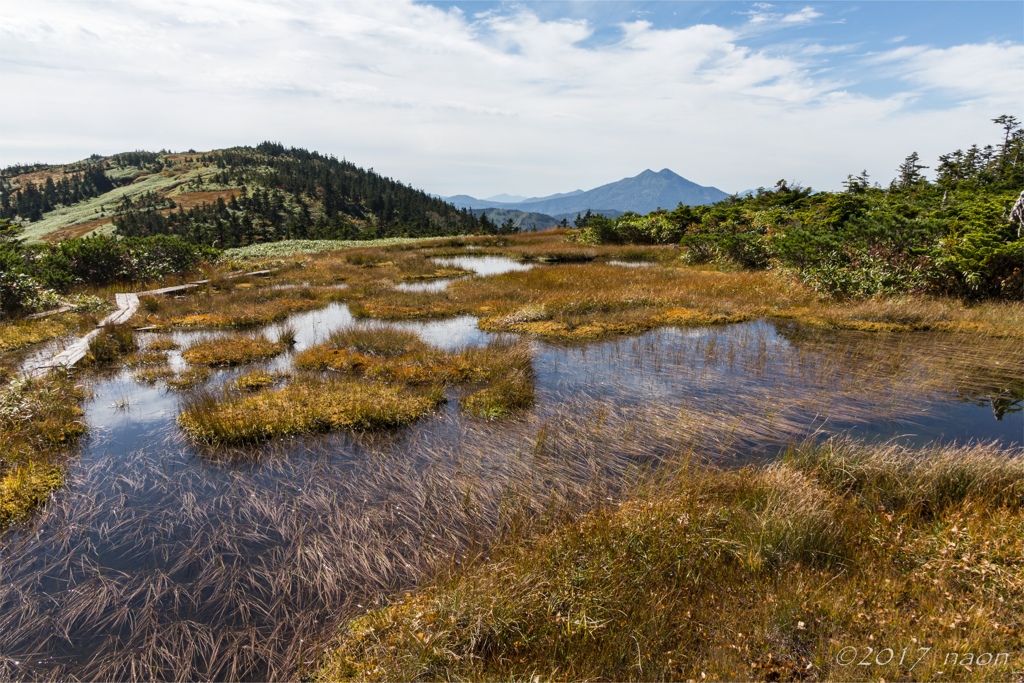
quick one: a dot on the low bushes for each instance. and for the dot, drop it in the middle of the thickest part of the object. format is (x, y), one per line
(28, 272)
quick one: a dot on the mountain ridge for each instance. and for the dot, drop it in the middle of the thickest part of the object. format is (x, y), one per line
(642, 193)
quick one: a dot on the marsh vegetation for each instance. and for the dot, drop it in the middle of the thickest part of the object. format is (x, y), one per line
(316, 473)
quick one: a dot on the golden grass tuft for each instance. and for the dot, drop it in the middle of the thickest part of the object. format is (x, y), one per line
(39, 420)
(165, 344)
(146, 356)
(16, 334)
(189, 378)
(25, 487)
(309, 407)
(231, 351)
(256, 380)
(762, 573)
(153, 374)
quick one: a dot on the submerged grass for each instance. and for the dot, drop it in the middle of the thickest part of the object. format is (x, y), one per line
(763, 573)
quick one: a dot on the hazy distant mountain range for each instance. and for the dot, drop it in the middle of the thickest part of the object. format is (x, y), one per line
(642, 193)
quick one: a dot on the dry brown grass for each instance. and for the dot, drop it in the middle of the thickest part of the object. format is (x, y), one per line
(585, 301)
(764, 573)
(77, 230)
(307, 407)
(16, 334)
(230, 351)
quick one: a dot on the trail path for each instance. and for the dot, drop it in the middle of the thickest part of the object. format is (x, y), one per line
(127, 304)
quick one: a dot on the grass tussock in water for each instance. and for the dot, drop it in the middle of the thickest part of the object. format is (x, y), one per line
(505, 396)
(398, 356)
(165, 344)
(113, 343)
(233, 305)
(303, 408)
(256, 380)
(151, 374)
(230, 351)
(189, 378)
(39, 420)
(763, 573)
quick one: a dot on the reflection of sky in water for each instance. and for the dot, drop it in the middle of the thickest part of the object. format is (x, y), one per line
(436, 285)
(740, 368)
(135, 458)
(484, 265)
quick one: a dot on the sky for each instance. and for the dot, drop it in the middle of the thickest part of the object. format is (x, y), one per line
(527, 98)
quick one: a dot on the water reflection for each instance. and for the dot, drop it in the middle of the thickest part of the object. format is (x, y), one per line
(251, 543)
(484, 265)
(436, 285)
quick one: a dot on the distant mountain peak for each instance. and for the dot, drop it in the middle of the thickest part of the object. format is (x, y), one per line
(642, 193)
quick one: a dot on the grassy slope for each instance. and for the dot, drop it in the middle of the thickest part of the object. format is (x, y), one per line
(165, 183)
(295, 247)
(764, 573)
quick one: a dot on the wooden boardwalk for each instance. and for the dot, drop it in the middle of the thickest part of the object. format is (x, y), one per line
(127, 304)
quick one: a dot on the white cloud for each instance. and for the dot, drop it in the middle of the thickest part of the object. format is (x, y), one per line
(801, 17)
(993, 72)
(496, 102)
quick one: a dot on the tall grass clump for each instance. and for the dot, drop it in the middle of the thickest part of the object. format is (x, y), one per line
(759, 573)
(110, 345)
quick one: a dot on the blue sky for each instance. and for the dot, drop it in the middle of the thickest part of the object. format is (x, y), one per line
(526, 98)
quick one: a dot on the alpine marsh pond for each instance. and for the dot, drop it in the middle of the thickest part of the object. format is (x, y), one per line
(274, 461)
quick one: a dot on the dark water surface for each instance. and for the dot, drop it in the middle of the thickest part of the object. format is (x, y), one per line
(162, 559)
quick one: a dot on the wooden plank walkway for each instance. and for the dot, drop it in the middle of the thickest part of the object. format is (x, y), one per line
(127, 304)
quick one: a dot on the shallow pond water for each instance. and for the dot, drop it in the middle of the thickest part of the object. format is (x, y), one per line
(235, 561)
(436, 285)
(484, 265)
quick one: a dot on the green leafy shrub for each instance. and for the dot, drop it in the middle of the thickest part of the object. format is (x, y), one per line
(104, 260)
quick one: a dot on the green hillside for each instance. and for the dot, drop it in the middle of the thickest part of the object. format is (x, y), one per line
(228, 198)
